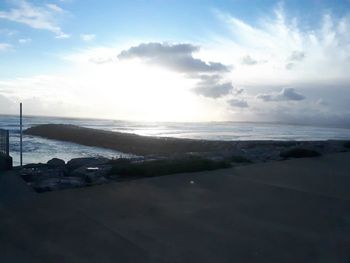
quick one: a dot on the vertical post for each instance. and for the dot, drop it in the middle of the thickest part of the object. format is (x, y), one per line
(20, 127)
(7, 143)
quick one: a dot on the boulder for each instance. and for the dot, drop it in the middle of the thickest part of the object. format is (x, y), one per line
(57, 183)
(93, 175)
(76, 163)
(55, 162)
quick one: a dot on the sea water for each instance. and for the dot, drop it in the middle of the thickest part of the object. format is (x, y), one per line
(36, 149)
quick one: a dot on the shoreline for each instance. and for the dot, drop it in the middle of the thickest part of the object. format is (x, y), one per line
(168, 146)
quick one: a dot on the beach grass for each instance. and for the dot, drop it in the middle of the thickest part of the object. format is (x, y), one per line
(299, 153)
(239, 159)
(125, 167)
(347, 144)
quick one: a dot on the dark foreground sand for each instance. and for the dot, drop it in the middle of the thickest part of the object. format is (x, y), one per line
(292, 211)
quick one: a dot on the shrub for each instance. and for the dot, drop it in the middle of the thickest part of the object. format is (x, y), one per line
(299, 153)
(240, 159)
(347, 144)
(164, 167)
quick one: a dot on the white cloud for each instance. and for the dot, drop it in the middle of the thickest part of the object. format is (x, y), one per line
(248, 60)
(297, 56)
(62, 36)
(35, 16)
(6, 105)
(87, 37)
(8, 32)
(5, 47)
(24, 40)
(317, 54)
(55, 8)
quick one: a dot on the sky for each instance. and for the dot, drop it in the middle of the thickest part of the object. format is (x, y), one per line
(167, 60)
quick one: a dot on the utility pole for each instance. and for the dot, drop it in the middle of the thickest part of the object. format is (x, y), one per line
(8, 143)
(20, 134)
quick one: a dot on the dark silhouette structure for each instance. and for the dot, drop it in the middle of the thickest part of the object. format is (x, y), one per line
(5, 158)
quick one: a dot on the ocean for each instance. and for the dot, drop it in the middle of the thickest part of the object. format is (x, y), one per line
(37, 149)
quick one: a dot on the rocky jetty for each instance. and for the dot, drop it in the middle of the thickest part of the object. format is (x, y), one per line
(57, 175)
(164, 146)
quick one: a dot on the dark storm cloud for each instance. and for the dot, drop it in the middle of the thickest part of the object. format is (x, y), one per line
(286, 94)
(213, 91)
(212, 86)
(177, 57)
(239, 103)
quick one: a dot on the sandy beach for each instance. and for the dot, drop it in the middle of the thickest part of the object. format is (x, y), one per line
(291, 211)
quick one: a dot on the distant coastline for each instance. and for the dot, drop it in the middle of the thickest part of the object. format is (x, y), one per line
(306, 124)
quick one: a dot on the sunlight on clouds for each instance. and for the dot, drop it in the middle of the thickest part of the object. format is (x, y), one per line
(119, 89)
(255, 72)
(42, 17)
(274, 41)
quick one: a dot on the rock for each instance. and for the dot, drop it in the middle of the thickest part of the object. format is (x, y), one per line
(35, 166)
(95, 179)
(55, 162)
(93, 175)
(57, 183)
(49, 184)
(89, 161)
(71, 182)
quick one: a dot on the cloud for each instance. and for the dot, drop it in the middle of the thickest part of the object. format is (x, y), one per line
(290, 66)
(212, 86)
(248, 60)
(286, 94)
(55, 8)
(239, 103)
(38, 17)
(5, 47)
(297, 56)
(100, 60)
(178, 57)
(6, 105)
(238, 91)
(24, 40)
(62, 36)
(322, 102)
(216, 90)
(8, 32)
(87, 37)
(285, 41)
